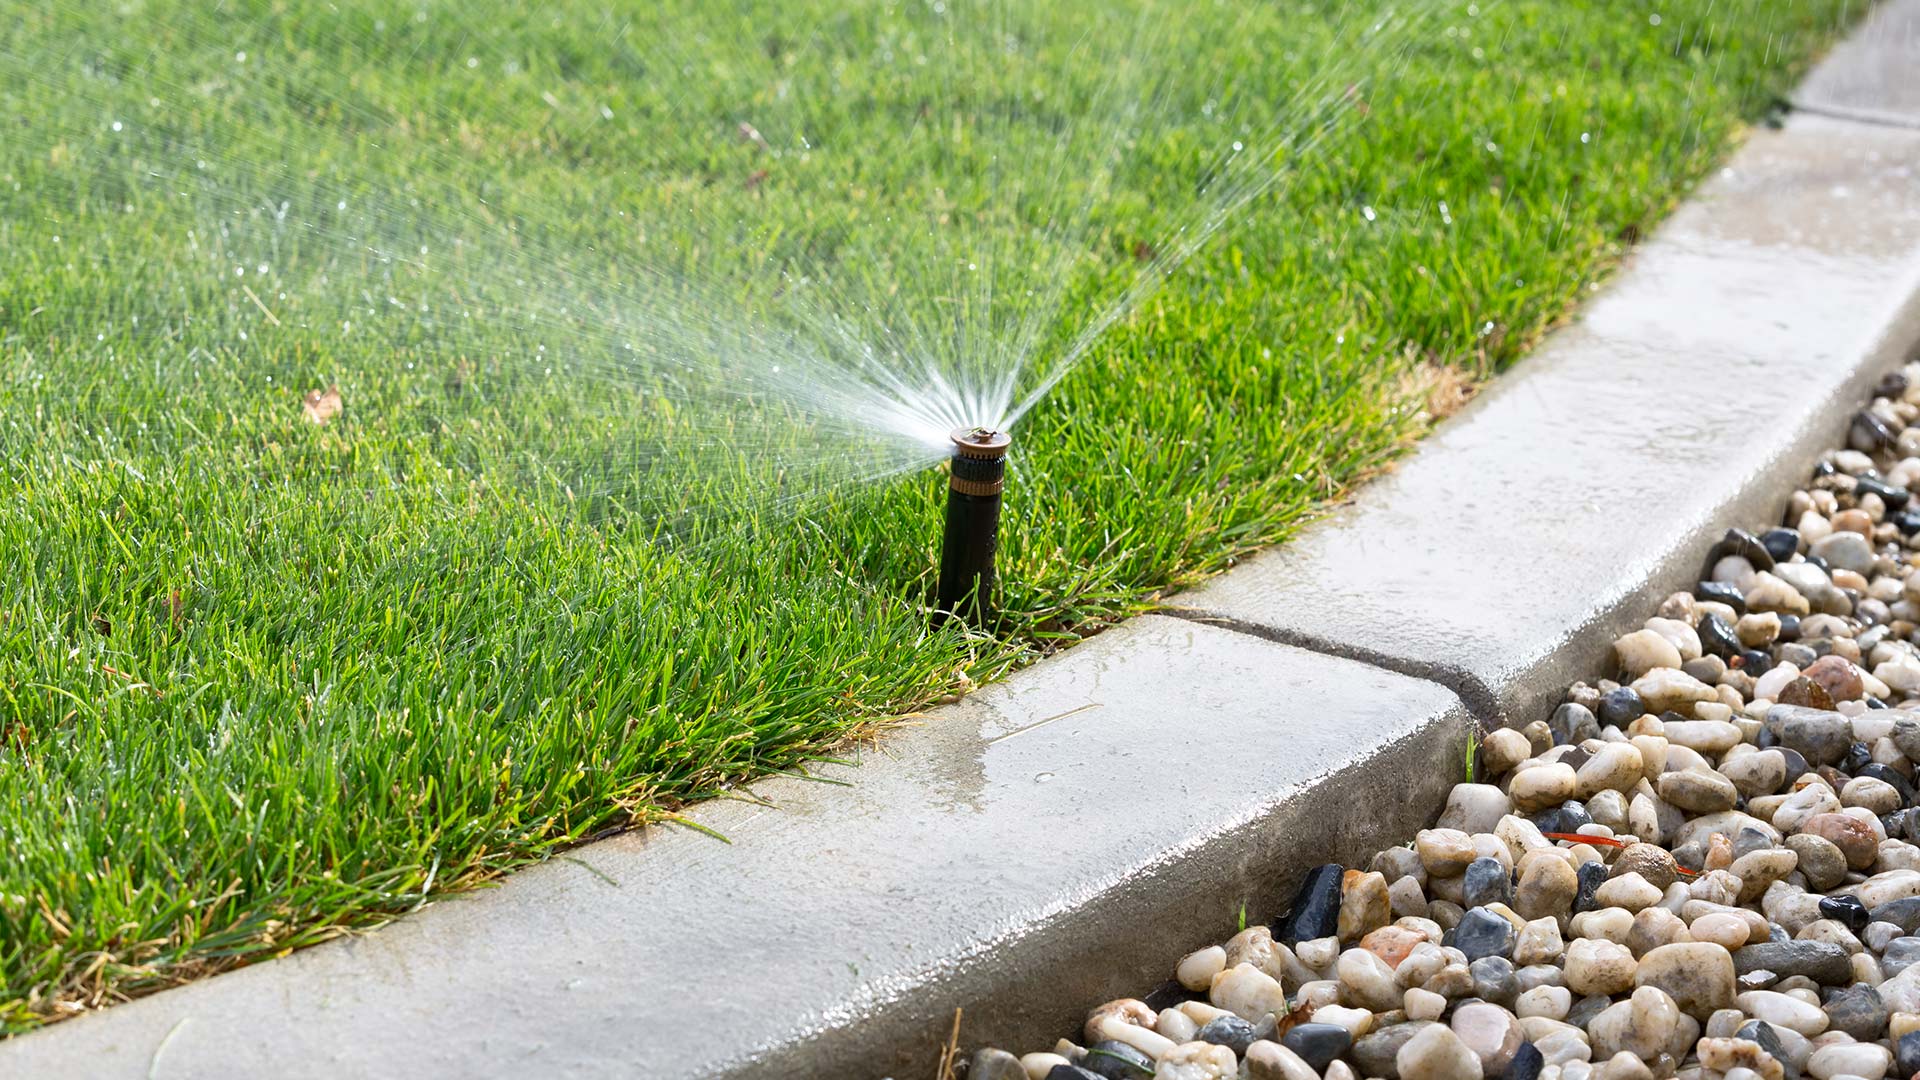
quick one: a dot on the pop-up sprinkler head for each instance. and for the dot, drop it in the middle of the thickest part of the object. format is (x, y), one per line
(978, 473)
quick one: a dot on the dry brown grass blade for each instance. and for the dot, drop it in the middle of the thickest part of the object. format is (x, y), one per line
(950, 1054)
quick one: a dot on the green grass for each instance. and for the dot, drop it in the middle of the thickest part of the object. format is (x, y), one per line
(262, 680)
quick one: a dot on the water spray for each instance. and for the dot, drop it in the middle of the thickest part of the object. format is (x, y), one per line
(979, 471)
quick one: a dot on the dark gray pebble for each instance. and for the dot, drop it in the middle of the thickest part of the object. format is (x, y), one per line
(1317, 1044)
(1228, 1031)
(1821, 961)
(1483, 933)
(1315, 912)
(1116, 1060)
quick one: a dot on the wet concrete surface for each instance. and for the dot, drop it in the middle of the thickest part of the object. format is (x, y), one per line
(1873, 76)
(1525, 534)
(1008, 857)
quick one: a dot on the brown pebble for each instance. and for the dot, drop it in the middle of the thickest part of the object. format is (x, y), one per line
(1838, 676)
(1855, 521)
(1806, 692)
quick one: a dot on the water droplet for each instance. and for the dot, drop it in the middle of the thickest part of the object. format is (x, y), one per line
(1043, 778)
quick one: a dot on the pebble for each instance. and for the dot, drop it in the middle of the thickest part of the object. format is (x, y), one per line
(1547, 887)
(1699, 791)
(1228, 1031)
(1725, 1055)
(1494, 979)
(1474, 808)
(1857, 841)
(1197, 969)
(1377, 1054)
(1823, 863)
(1589, 878)
(1483, 933)
(1629, 891)
(1487, 881)
(1366, 981)
(1849, 1059)
(1741, 902)
(1491, 1032)
(1599, 966)
(1838, 677)
(1249, 993)
(1820, 961)
(1116, 1060)
(1436, 1053)
(1422, 1004)
(1527, 1063)
(1614, 767)
(1844, 550)
(1819, 735)
(1542, 786)
(1317, 1044)
(1767, 592)
(1573, 723)
(992, 1064)
(1727, 930)
(1857, 1010)
(1268, 1060)
(1315, 912)
(1907, 1053)
(1847, 910)
(1643, 651)
(1364, 905)
(1620, 706)
(1671, 688)
(1539, 942)
(1696, 975)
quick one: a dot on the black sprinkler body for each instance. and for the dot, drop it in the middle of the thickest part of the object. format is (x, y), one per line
(973, 523)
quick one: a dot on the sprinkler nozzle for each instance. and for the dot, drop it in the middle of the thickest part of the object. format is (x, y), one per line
(979, 470)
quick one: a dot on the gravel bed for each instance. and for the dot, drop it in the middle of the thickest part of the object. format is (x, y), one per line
(1706, 869)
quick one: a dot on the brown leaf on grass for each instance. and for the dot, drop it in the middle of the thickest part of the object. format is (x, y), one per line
(176, 608)
(321, 405)
(101, 625)
(753, 182)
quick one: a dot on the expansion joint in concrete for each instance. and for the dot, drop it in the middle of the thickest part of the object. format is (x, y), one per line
(1475, 695)
(1863, 117)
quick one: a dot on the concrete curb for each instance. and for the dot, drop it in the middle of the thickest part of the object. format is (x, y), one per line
(1872, 77)
(1011, 855)
(1522, 537)
(1002, 860)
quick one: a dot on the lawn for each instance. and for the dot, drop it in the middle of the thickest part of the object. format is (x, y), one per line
(271, 669)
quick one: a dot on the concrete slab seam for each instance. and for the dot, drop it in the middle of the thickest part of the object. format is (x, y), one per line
(1863, 117)
(1469, 689)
